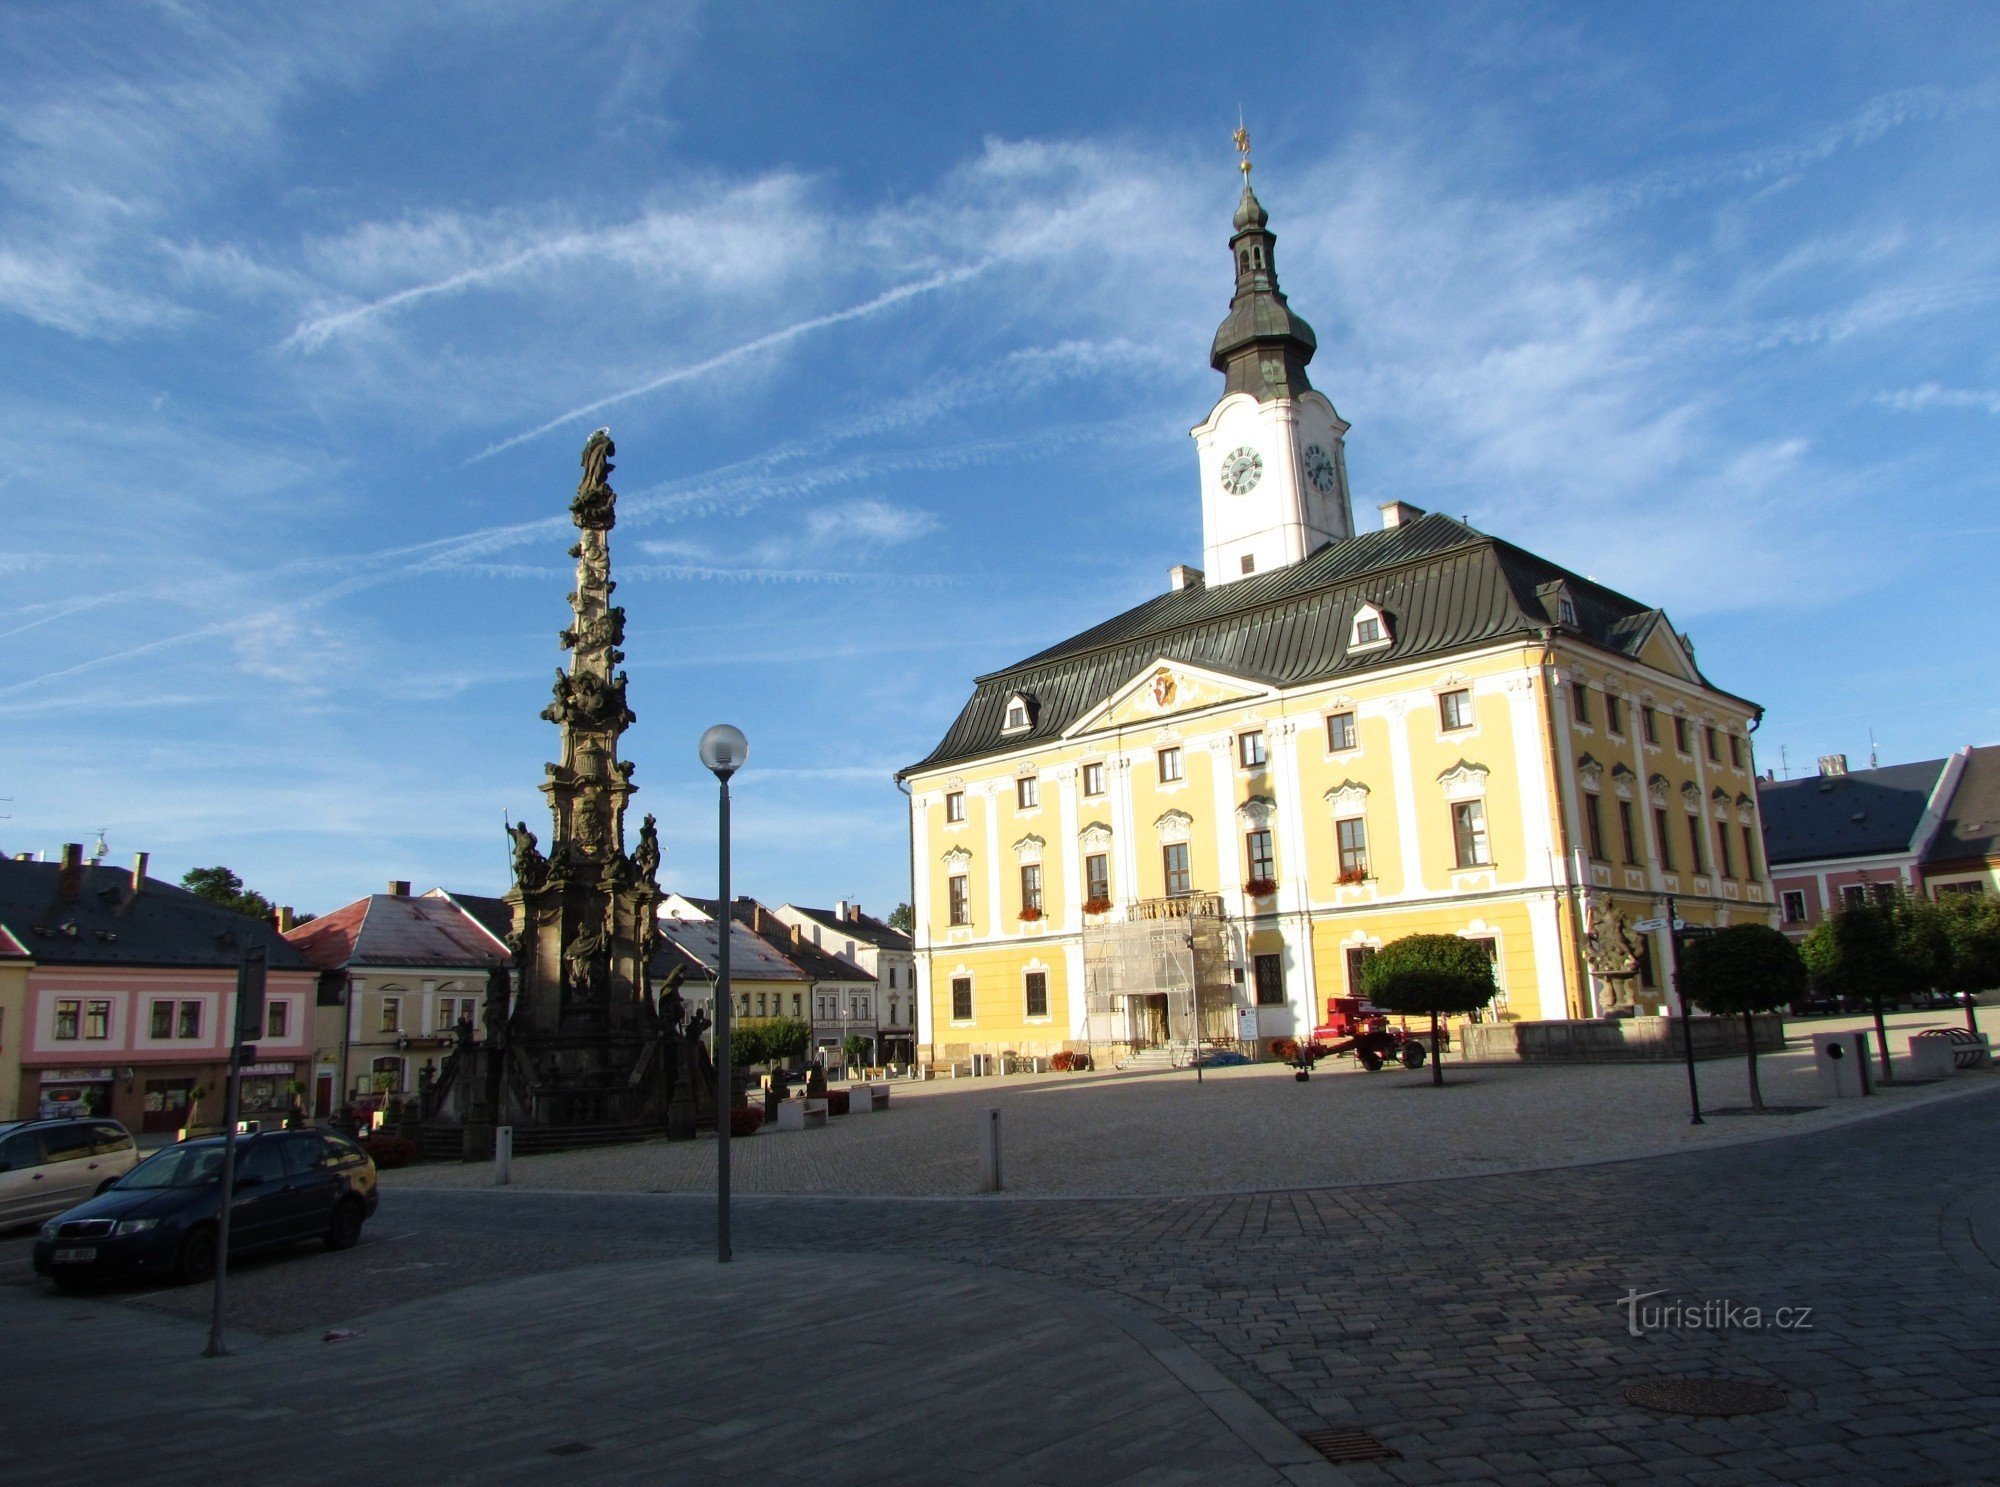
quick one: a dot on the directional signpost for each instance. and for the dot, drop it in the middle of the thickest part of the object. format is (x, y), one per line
(1680, 928)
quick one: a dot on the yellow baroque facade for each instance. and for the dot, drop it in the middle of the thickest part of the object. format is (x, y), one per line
(1336, 741)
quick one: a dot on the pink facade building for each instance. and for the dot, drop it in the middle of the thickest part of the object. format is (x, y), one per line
(129, 997)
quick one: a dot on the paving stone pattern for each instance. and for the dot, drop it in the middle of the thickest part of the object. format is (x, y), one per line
(1471, 1324)
(1474, 1325)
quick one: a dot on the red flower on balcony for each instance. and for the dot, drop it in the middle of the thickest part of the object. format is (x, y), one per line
(1097, 906)
(1029, 914)
(1261, 887)
(1353, 875)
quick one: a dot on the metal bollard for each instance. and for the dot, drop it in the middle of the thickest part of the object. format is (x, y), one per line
(503, 1156)
(990, 1152)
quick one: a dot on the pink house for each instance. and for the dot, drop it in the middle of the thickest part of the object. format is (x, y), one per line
(130, 997)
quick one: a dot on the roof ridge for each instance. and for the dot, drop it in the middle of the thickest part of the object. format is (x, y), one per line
(1473, 538)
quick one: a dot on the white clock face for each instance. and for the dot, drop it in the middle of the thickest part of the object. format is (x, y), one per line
(1241, 470)
(1320, 471)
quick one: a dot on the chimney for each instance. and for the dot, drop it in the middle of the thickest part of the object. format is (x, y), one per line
(399, 887)
(843, 911)
(139, 861)
(1830, 765)
(69, 877)
(1398, 514)
(757, 917)
(1181, 576)
(287, 918)
(798, 934)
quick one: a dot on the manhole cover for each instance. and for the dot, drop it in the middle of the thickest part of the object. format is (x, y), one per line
(1348, 1443)
(1688, 1396)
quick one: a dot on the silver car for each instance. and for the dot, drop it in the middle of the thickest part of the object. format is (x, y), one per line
(47, 1166)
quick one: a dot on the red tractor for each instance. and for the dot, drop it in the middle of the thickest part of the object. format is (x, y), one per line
(1358, 1027)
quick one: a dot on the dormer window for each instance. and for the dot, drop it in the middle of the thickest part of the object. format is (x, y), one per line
(1371, 631)
(1020, 715)
(1566, 611)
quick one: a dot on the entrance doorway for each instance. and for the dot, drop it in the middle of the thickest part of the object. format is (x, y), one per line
(1148, 1013)
(166, 1104)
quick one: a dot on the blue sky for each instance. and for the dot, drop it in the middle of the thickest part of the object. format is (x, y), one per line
(899, 315)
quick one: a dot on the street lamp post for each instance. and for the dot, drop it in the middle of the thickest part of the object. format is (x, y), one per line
(1687, 1030)
(723, 750)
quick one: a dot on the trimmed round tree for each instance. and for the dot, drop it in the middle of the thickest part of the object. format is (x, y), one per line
(1747, 968)
(1860, 953)
(1429, 975)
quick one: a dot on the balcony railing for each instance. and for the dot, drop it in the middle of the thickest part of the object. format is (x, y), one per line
(1181, 906)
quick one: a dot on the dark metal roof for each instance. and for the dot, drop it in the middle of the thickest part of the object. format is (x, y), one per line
(751, 958)
(106, 923)
(773, 931)
(495, 915)
(388, 929)
(1444, 586)
(865, 928)
(1971, 825)
(1864, 813)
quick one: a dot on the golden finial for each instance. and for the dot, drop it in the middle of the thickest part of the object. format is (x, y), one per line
(1242, 138)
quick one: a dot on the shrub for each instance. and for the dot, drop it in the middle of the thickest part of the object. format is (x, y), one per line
(744, 1120)
(836, 1102)
(1060, 1062)
(391, 1151)
(1285, 1050)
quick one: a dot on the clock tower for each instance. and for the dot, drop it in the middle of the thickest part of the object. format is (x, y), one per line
(1273, 464)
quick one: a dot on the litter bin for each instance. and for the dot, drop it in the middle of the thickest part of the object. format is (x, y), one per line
(1842, 1061)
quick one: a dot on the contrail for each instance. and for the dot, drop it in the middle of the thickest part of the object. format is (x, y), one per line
(313, 334)
(735, 353)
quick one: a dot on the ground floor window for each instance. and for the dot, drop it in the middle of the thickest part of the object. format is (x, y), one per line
(1270, 973)
(1038, 993)
(387, 1076)
(961, 999)
(1358, 957)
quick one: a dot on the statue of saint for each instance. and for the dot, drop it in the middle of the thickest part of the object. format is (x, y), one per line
(646, 856)
(529, 864)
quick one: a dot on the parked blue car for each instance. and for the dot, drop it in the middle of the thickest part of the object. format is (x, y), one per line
(160, 1218)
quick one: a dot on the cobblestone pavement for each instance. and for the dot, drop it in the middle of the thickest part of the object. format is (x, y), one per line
(1116, 1134)
(1473, 1325)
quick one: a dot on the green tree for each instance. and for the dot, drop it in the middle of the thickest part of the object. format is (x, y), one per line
(1434, 974)
(786, 1039)
(1860, 953)
(853, 1048)
(1747, 968)
(903, 917)
(221, 886)
(1969, 926)
(746, 1045)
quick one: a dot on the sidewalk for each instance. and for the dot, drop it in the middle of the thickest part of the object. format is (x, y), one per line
(834, 1369)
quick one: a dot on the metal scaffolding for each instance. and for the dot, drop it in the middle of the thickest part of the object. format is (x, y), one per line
(1150, 979)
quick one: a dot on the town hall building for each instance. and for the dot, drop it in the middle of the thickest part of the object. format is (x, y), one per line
(1198, 819)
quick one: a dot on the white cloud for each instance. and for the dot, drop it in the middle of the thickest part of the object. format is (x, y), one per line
(1932, 395)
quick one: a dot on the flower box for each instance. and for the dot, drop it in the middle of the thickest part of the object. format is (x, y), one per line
(1261, 887)
(1097, 906)
(1353, 876)
(1030, 915)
